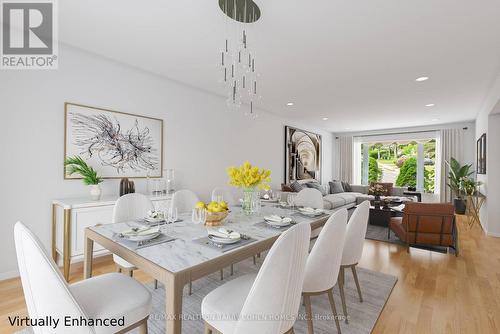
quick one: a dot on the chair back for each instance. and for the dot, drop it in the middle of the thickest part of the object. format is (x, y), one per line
(355, 235)
(131, 206)
(323, 263)
(429, 223)
(277, 288)
(225, 193)
(184, 200)
(45, 290)
(309, 197)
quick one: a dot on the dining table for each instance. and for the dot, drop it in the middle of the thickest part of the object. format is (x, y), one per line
(183, 257)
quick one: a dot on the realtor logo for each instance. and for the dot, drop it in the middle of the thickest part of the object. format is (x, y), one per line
(29, 34)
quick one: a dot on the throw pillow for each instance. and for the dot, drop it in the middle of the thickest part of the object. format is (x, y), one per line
(318, 186)
(285, 187)
(346, 186)
(296, 187)
(336, 187)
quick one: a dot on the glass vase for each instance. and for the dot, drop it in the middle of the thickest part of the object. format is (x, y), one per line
(251, 201)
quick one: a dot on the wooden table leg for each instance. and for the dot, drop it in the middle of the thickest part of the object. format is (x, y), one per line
(88, 257)
(67, 243)
(54, 227)
(173, 302)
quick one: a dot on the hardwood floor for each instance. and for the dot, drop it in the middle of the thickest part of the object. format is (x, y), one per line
(435, 293)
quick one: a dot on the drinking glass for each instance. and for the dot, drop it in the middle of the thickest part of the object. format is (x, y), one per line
(172, 215)
(217, 198)
(291, 200)
(276, 196)
(202, 216)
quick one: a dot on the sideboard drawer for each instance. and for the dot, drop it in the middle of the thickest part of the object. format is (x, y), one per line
(83, 218)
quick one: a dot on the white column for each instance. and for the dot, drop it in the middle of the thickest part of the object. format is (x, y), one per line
(420, 167)
(366, 159)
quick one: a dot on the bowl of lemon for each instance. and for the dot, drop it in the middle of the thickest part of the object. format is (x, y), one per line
(216, 212)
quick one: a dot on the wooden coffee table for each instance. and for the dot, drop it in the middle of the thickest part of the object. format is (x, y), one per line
(381, 216)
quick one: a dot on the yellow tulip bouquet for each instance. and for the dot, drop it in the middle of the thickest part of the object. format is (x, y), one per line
(248, 176)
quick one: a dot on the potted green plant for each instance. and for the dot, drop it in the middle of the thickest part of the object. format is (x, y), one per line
(77, 165)
(470, 186)
(456, 176)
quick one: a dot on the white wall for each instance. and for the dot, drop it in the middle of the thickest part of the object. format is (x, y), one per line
(200, 138)
(487, 123)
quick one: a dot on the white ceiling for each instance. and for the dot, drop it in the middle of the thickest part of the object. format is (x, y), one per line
(354, 62)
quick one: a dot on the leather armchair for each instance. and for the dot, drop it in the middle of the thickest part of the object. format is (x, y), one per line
(427, 224)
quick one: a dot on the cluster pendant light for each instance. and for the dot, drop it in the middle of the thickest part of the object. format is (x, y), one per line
(237, 61)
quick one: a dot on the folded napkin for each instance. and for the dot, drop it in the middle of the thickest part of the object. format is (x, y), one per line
(140, 231)
(223, 233)
(278, 219)
(310, 210)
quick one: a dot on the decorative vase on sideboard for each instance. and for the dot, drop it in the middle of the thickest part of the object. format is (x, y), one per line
(95, 192)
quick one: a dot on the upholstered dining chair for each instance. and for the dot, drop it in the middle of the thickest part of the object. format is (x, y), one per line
(129, 207)
(353, 249)
(104, 296)
(184, 200)
(310, 197)
(266, 302)
(226, 194)
(323, 264)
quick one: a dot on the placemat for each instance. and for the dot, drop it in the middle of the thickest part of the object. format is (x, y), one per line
(222, 248)
(134, 245)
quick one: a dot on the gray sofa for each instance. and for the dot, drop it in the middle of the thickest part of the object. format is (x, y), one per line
(358, 194)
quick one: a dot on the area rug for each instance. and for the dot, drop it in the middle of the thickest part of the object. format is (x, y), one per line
(376, 288)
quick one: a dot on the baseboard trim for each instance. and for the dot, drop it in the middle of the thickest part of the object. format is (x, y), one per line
(493, 234)
(8, 275)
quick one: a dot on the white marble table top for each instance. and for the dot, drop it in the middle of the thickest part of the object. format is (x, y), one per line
(183, 253)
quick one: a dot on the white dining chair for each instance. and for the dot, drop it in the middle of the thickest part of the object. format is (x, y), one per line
(266, 302)
(184, 200)
(353, 248)
(47, 293)
(310, 197)
(226, 194)
(323, 264)
(127, 208)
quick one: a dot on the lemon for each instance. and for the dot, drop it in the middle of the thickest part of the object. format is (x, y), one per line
(223, 205)
(200, 205)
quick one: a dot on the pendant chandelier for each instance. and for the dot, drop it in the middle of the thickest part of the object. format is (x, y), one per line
(237, 60)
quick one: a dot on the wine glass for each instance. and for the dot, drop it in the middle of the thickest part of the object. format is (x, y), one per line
(291, 200)
(172, 215)
(202, 216)
(217, 198)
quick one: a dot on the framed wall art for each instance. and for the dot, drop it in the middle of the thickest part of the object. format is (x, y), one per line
(481, 154)
(114, 143)
(302, 155)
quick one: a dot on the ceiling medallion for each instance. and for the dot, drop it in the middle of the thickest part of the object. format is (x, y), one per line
(237, 61)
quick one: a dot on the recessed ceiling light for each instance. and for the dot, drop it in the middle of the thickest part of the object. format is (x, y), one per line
(325, 118)
(420, 79)
(348, 128)
(435, 119)
(430, 105)
(289, 104)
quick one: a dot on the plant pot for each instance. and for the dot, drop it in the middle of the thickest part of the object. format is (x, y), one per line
(460, 205)
(95, 192)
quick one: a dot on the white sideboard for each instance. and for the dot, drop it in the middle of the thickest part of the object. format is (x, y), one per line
(71, 216)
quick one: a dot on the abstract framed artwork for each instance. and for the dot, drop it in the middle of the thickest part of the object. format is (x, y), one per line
(481, 154)
(116, 144)
(302, 155)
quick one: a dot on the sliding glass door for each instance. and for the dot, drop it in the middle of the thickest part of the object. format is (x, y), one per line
(404, 163)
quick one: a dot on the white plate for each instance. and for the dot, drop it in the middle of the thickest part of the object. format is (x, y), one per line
(277, 224)
(154, 220)
(310, 213)
(225, 241)
(139, 238)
